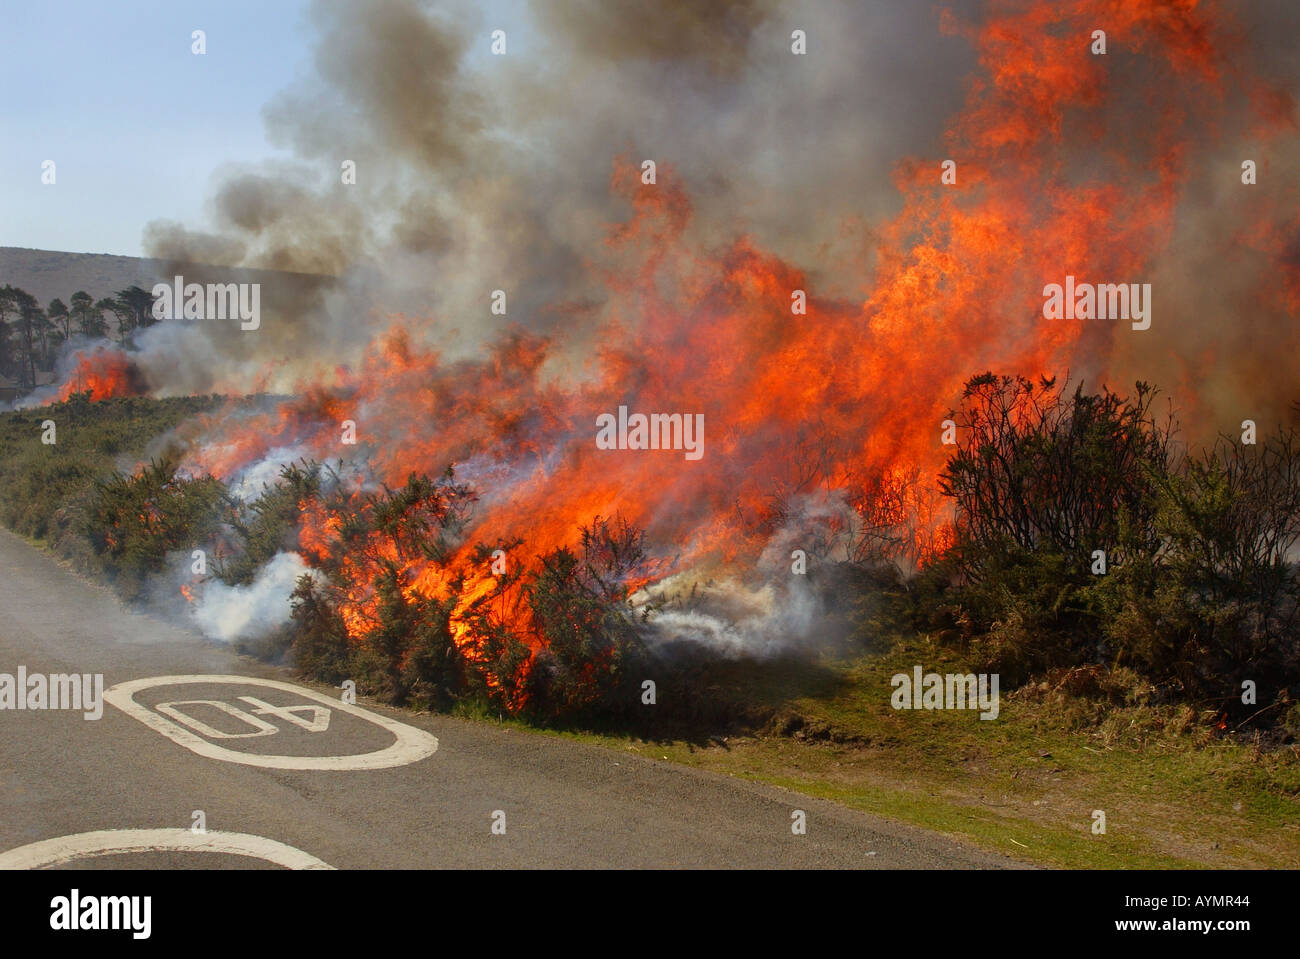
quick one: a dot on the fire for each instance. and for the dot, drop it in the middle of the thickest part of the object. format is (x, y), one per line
(105, 373)
(841, 404)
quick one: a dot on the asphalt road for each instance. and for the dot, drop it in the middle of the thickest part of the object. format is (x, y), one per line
(563, 804)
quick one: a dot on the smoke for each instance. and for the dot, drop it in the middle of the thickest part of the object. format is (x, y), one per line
(231, 614)
(734, 618)
(715, 36)
(477, 172)
(1224, 285)
(793, 597)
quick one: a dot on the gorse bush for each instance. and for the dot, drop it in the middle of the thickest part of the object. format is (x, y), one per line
(1200, 585)
(1200, 592)
(553, 638)
(44, 488)
(320, 637)
(579, 604)
(1218, 603)
(1039, 471)
(268, 524)
(399, 644)
(1040, 480)
(133, 522)
(552, 641)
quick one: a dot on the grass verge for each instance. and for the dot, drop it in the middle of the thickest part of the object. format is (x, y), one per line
(1174, 793)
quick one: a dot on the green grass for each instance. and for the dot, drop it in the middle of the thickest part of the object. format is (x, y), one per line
(41, 484)
(1025, 784)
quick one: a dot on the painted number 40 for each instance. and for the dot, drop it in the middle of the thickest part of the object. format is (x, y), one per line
(175, 721)
(318, 722)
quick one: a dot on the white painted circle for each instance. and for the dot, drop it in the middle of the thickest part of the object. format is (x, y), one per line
(411, 744)
(107, 842)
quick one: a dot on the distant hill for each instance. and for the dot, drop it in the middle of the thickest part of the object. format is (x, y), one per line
(47, 274)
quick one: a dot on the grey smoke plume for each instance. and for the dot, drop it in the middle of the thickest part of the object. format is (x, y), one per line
(233, 613)
(478, 172)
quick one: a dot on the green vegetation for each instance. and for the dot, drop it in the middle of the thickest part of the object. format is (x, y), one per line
(1175, 792)
(46, 490)
(1082, 539)
(133, 521)
(1121, 691)
(31, 336)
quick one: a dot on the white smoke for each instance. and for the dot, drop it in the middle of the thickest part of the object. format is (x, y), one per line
(734, 619)
(265, 473)
(781, 605)
(233, 613)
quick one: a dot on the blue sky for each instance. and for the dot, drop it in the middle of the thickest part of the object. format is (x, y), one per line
(136, 124)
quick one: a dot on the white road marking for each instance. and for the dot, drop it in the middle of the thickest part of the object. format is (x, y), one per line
(411, 744)
(107, 842)
(260, 727)
(320, 716)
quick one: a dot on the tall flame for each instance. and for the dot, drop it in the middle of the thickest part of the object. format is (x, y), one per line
(104, 373)
(844, 401)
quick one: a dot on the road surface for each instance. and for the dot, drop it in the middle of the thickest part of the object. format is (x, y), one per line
(167, 752)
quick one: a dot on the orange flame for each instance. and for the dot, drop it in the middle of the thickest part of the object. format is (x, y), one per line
(845, 400)
(104, 373)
